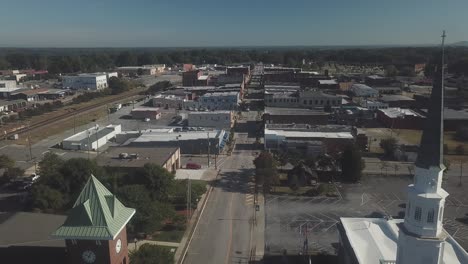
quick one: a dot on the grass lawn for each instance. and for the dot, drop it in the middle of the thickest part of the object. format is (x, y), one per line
(414, 137)
(169, 248)
(169, 236)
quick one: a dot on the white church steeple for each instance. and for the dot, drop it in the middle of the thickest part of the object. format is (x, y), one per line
(422, 238)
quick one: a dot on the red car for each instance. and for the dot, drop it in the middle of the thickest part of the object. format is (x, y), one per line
(193, 166)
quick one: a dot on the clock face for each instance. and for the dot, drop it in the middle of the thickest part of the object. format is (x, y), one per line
(88, 256)
(118, 246)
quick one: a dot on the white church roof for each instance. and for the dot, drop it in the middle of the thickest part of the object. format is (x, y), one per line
(375, 239)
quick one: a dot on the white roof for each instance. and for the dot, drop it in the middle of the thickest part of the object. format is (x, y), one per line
(309, 134)
(375, 239)
(5, 90)
(327, 82)
(203, 77)
(137, 109)
(395, 112)
(191, 135)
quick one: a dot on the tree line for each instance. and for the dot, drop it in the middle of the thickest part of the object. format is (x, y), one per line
(91, 60)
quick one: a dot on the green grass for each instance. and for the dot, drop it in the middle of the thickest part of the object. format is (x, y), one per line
(169, 236)
(169, 248)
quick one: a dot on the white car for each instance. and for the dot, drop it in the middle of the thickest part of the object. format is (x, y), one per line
(147, 119)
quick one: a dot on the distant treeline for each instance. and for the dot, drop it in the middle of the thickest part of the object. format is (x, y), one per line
(99, 59)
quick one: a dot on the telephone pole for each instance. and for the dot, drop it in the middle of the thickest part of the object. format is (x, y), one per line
(209, 145)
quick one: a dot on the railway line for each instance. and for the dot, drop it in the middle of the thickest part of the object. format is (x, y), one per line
(69, 114)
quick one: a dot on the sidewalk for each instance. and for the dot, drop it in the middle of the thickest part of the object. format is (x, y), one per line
(131, 245)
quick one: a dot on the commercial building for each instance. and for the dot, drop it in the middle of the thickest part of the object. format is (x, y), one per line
(190, 142)
(128, 158)
(29, 95)
(212, 119)
(362, 90)
(238, 71)
(92, 138)
(195, 78)
(87, 81)
(400, 118)
(373, 105)
(277, 115)
(333, 137)
(12, 105)
(220, 101)
(7, 87)
(146, 112)
(328, 84)
(396, 100)
(302, 99)
(376, 80)
(169, 101)
(141, 70)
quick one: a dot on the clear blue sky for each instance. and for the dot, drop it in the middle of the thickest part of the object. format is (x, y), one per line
(163, 23)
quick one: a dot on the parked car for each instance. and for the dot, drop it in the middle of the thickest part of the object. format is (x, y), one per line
(177, 129)
(147, 119)
(193, 166)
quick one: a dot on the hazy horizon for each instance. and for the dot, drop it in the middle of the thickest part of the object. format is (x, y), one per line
(210, 23)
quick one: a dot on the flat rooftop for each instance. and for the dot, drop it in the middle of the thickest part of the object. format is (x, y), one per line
(395, 98)
(395, 112)
(175, 136)
(82, 136)
(309, 134)
(30, 229)
(154, 155)
(209, 112)
(145, 109)
(292, 111)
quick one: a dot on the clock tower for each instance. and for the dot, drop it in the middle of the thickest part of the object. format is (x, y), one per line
(95, 229)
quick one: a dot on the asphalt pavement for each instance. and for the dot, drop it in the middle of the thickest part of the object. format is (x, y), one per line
(225, 233)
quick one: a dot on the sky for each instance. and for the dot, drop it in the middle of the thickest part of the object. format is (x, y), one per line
(202, 23)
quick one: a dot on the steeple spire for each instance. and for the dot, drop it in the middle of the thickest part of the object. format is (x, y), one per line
(431, 148)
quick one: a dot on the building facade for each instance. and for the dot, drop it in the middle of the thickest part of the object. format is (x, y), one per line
(220, 101)
(146, 112)
(215, 119)
(91, 139)
(302, 99)
(87, 81)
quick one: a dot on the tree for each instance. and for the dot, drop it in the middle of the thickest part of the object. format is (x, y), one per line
(325, 162)
(266, 173)
(157, 180)
(159, 87)
(149, 214)
(389, 145)
(44, 197)
(118, 85)
(391, 71)
(351, 164)
(149, 254)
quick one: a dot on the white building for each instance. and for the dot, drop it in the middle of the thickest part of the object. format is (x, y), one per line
(373, 105)
(220, 101)
(168, 101)
(420, 237)
(215, 119)
(362, 90)
(92, 138)
(7, 87)
(88, 81)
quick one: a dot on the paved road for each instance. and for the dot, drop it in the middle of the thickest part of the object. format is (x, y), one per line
(224, 233)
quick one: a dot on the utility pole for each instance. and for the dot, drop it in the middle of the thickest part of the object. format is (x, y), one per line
(74, 120)
(29, 144)
(89, 147)
(461, 172)
(209, 145)
(97, 139)
(108, 113)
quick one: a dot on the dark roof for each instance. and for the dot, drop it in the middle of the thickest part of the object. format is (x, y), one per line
(30, 229)
(395, 97)
(31, 91)
(431, 148)
(293, 111)
(157, 156)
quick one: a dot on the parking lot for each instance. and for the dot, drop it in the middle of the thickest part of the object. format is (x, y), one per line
(290, 219)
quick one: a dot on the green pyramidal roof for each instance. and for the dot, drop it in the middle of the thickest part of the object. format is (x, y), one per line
(96, 215)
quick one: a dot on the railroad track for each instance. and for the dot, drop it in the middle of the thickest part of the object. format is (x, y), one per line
(71, 114)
